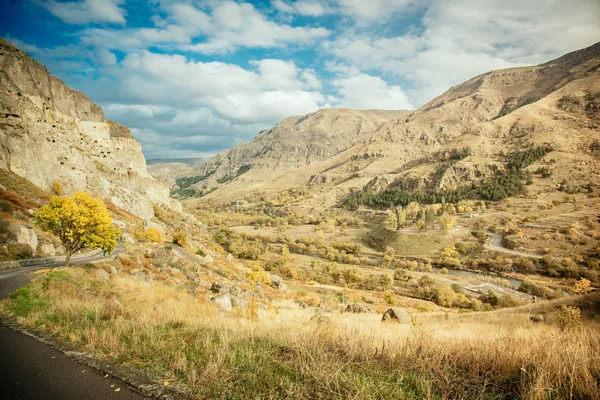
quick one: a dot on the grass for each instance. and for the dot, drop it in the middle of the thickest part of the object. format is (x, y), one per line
(181, 339)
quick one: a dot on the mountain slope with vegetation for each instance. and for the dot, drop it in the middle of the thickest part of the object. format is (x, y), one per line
(554, 104)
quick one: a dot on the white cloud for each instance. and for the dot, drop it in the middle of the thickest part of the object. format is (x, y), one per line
(461, 39)
(106, 57)
(311, 8)
(363, 91)
(275, 90)
(241, 25)
(367, 12)
(87, 11)
(224, 28)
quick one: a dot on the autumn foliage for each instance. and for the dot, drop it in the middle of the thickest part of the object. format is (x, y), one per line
(80, 222)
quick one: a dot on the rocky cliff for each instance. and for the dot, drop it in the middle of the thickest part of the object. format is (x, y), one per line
(50, 132)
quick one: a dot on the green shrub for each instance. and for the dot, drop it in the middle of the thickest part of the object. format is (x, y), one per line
(6, 206)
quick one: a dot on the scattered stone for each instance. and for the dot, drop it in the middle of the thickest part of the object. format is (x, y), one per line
(259, 290)
(224, 301)
(230, 257)
(175, 270)
(357, 308)
(397, 314)
(209, 259)
(537, 319)
(278, 283)
(126, 237)
(113, 270)
(321, 318)
(217, 287)
(238, 302)
(102, 274)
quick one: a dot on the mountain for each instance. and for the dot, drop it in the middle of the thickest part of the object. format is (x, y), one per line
(335, 151)
(50, 132)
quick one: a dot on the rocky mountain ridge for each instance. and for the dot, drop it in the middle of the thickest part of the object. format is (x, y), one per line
(50, 132)
(335, 151)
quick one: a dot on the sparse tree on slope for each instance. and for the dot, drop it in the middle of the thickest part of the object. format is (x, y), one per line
(80, 222)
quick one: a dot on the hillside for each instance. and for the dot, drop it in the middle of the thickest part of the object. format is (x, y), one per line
(50, 132)
(335, 151)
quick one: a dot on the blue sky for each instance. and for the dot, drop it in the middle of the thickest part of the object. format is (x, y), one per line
(192, 78)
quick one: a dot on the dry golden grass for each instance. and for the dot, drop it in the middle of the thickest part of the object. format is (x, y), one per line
(283, 354)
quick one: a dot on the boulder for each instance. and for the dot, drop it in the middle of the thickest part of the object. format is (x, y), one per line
(321, 318)
(397, 314)
(230, 257)
(217, 287)
(238, 302)
(46, 249)
(224, 301)
(102, 274)
(127, 238)
(27, 236)
(278, 283)
(357, 308)
(536, 319)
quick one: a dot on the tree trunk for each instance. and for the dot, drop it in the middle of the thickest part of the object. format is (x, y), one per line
(68, 259)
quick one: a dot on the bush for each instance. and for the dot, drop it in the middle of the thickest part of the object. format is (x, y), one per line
(153, 235)
(569, 103)
(57, 188)
(258, 274)
(6, 207)
(180, 239)
(582, 286)
(568, 317)
(5, 231)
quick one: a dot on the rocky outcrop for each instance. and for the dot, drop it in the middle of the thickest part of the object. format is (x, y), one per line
(51, 132)
(25, 235)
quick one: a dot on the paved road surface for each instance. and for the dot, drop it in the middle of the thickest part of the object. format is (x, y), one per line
(183, 254)
(496, 244)
(32, 370)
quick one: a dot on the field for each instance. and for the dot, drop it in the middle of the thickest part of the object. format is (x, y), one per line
(281, 352)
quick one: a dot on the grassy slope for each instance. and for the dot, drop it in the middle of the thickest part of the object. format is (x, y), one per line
(281, 354)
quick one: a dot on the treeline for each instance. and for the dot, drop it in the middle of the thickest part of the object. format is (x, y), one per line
(188, 181)
(251, 247)
(521, 159)
(229, 177)
(504, 184)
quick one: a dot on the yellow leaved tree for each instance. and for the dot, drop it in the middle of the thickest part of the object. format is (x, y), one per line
(80, 222)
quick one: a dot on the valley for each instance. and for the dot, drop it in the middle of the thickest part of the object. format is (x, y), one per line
(267, 270)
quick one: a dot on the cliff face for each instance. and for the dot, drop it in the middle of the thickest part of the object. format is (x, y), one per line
(50, 132)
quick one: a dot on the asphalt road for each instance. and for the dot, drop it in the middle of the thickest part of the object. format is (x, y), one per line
(495, 243)
(33, 370)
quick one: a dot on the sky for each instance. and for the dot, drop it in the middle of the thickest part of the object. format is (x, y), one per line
(193, 78)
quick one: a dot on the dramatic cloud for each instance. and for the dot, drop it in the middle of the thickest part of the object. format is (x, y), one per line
(460, 39)
(227, 26)
(194, 77)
